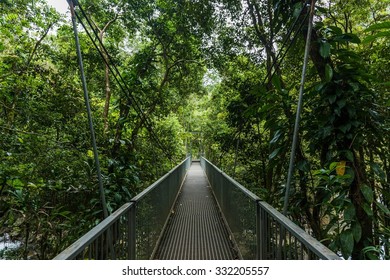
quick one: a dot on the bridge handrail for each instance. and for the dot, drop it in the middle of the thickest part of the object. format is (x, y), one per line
(154, 205)
(158, 182)
(285, 225)
(310, 242)
(247, 192)
(83, 242)
(121, 235)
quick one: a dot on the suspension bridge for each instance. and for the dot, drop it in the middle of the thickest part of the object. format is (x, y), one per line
(194, 212)
(197, 212)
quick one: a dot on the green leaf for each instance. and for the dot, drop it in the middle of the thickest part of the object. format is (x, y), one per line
(338, 201)
(274, 153)
(347, 243)
(372, 38)
(371, 252)
(367, 193)
(320, 86)
(324, 49)
(350, 38)
(326, 131)
(64, 214)
(277, 83)
(332, 98)
(322, 10)
(341, 103)
(345, 128)
(356, 231)
(383, 208)
(349, 213)
(336, 30)
(328, 73)
(378, 26)
(303, 165)
(126, 191)
(117, 197)
(18, 195)
(367, 209)
(16, 183)
(337, 111)
(276, 137)
(349, 156)
(333, 166)
(378, 170)
(355, 86)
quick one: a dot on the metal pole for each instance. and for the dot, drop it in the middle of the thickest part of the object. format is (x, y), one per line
(132, 234)
(86, 98)
(299, 109)
(259, 232)
(72, 3)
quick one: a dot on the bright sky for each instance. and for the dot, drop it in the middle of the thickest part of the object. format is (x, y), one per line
(60, 5)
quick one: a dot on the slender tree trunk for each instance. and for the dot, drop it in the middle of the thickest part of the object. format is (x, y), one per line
(108, 98)
(107, 87)
(355, 193)
(358, 201)
(124, 109)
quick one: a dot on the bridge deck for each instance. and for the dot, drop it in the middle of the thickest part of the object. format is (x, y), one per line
(195, 230)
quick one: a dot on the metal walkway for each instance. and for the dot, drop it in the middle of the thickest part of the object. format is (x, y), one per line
(146, 228)
(196, 230)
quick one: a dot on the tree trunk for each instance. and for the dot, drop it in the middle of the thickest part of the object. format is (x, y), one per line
(362, 217)
(124, 109)
(108, 98)
(107, 88)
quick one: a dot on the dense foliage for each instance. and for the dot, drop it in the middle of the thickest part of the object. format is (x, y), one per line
(208, 78)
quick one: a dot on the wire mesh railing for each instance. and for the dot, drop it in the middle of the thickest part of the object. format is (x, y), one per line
(110, 239)
(153, 207)
(259, 230)
(238, 206)
(133, 231)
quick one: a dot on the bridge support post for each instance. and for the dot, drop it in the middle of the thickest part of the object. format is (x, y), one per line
(132, 233)
(259, 233)
(72, 4)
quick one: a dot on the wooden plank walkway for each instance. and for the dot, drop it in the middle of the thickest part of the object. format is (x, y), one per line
(195, 229)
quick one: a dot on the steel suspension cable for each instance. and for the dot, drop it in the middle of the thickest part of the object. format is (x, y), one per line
(88, 107)
(94, 27)
(126, 90)
(290, 31)
(271, 71)
(288, 47)
(123, 86)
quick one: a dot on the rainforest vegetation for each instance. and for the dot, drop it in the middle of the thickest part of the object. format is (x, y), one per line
(219, 78)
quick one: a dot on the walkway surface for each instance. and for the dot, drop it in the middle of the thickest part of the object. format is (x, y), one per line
(195, 230)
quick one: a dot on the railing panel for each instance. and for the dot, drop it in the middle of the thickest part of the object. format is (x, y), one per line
(98, 243)
(259, 230)
(153, 207)
(238, 206)
(284, 240)
(132, 231)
